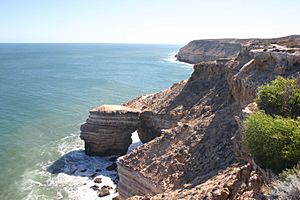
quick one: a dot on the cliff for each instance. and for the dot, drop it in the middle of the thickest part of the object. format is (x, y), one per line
(209, 50)
(199, 156)
(191, 131)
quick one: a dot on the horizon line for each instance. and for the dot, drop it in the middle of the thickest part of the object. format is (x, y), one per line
(152, 43)
(93, 43)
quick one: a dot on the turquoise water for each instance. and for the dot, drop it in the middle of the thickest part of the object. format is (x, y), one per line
(46, 91)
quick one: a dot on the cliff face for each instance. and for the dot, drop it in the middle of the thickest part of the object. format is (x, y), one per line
(196, 154)
(209, 50)
(191, 130)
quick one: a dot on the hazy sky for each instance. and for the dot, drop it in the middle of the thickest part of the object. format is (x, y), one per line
(145, 21)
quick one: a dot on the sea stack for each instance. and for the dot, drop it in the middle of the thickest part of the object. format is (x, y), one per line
(108, 130)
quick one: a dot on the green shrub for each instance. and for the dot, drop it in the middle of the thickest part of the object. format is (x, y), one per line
(290, 172)
(295, 103)
(280, 97)
(273, 141)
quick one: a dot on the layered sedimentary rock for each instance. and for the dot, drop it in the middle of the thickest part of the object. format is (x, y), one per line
(152, 125)
(209, 50)
(192, 130)
(196, 153)
(108, 130)
(263, 66)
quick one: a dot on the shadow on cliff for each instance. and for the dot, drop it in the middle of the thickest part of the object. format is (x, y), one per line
(214, 152)
(77, 163)
(197, 87)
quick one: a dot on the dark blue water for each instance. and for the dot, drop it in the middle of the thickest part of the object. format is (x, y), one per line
(46, 91)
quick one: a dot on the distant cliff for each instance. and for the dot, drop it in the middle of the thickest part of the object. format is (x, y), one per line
(209, 50)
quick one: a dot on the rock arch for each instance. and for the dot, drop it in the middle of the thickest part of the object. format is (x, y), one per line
(108, 130)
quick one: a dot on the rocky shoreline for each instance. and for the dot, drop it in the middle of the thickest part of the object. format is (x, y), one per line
(191, 131)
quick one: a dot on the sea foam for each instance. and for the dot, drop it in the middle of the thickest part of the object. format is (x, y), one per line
(73, 174)
(171, 58)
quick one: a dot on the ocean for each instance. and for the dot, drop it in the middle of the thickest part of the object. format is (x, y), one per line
(46, 91)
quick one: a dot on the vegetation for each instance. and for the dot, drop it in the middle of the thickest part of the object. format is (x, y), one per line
(272, 135)
(287, 186)
(290, 172)
(273, 141)
(281, 97)
(287, 189)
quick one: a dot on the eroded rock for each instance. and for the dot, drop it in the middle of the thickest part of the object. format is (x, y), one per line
(103, 192)
(193, 128)
(208, 50)
(108, 130)
(196, 157)
(152, 125)
(98, 180)
(213, 49)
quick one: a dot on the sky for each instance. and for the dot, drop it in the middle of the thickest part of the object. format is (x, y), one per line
(144, 21)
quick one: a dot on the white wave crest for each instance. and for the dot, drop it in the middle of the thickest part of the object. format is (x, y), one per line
(72, 175)
(171, 58)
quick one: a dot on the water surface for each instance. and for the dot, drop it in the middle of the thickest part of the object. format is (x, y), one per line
(46, 91)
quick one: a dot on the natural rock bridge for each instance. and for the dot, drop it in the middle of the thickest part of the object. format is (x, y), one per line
(108, 129)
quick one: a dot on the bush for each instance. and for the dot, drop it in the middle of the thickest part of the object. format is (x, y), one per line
(281, 97)
(289, 188)
(273, 141)
(290, 172)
